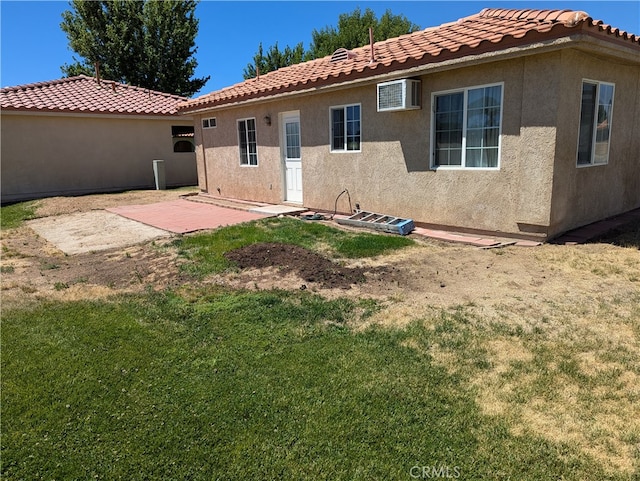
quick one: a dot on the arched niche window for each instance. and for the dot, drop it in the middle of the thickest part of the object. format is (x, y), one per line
(183, 137)
(183, 146)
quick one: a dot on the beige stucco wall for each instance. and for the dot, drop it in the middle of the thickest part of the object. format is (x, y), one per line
(45, 155)
(392, 174)
(582, 195)
(218, 155)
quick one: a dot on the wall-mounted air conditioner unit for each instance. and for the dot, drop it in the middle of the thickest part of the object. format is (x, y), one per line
(399, 95)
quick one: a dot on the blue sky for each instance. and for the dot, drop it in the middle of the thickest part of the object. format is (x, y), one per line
(33, 47)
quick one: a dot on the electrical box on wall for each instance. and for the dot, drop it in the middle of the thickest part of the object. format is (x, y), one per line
(401, 94)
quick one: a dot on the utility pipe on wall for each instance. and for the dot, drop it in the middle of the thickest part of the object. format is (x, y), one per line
(373, 57)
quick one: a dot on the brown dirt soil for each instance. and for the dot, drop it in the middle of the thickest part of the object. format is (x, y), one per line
(68, 205)
(34, 269)
(530, 281)
(585, 299)
(309, 266)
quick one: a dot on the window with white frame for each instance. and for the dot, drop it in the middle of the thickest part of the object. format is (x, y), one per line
(595, 123)
(209, 123)
(247, 142)
(345, 128)
(467, 124)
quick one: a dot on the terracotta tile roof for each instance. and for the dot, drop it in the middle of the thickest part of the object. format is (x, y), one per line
(82, 94)
(487, 31)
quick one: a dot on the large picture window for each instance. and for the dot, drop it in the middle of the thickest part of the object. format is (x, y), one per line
(247, 142)
(595, 123)
(467, 126)
(345, 128)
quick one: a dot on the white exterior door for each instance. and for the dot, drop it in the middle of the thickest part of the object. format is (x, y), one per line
(291, 153)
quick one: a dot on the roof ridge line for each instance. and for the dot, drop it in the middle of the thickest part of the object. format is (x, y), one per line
(44, 83)
(83, 77)
(144, 89)
(569, 18)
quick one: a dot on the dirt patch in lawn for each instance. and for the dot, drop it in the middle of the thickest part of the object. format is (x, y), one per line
(309, 266)
(35, 269)
(531, 288)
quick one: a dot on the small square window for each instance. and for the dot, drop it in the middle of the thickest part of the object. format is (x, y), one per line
(209, 123)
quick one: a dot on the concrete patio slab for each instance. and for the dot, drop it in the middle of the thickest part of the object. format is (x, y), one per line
(93, 231)
(277, 210)
(182, 216)
(124, 226)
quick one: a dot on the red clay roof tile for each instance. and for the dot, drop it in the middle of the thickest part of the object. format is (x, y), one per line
(488, 30)
(83, 94)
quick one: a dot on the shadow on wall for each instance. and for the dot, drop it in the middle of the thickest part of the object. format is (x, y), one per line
(409, 128)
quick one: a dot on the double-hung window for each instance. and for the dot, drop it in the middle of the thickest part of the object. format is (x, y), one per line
(247, 142)
(345, 128)
(595, 123)
(467, 126)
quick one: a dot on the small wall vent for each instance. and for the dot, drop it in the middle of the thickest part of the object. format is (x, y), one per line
(399, 95)
(341, 54)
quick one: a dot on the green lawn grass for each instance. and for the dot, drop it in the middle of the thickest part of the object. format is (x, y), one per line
(14, 215)
(250, 385)
(215, 383)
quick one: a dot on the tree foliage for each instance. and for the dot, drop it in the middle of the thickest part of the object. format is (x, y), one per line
(274, 59)
(352, 32)
(143, 42)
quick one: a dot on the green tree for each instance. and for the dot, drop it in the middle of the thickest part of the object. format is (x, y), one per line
(146, 43)
(274, 59)
(352, 32)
